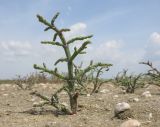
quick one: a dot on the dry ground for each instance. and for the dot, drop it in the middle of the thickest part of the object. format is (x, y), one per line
(94, 111)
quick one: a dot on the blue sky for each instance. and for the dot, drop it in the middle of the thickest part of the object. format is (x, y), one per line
(125, 33)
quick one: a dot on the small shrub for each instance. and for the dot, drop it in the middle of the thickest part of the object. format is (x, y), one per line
(92, 78)
(27, 82)
(130, 82)
(153, 73)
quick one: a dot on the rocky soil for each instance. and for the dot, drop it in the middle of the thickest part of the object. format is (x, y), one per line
(96, 110)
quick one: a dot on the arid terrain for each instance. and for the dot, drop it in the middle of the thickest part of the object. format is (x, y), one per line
(96, 110)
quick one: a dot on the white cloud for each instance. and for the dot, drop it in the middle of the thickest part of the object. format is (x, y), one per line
(155, 38)
(15, 48)
(115, 52)
(76, 30)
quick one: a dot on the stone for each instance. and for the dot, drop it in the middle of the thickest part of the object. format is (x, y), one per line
(104, 91)
(135, 99)
(115, 96)
(150, 116)
(123, 111)
(146, 94)
(5, 94)
(131, 123)
(120, 107)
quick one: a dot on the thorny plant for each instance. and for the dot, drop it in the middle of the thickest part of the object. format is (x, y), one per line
(71, 78)
(130, 82)
(91, 78)
(153, 73)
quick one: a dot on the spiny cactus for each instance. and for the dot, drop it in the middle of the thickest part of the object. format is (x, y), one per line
(90, 78)
(130, 82)
(71, 78)
(153, 73)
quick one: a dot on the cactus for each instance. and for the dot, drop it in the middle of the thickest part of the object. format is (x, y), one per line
(129, 82)
(153, 73)
(92, 77)
(71, 78)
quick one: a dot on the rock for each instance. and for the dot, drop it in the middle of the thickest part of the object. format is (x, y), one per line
(150, 116)
(115, 96)
(88, 95)
(3, 89)
(33, 99)
(135, 99)
(120, 107)
(50, 124)
(104, 91)
(131, 123)
(65, 104)
(5, 94)
(122, 111)
(146, 94)
(35, 104)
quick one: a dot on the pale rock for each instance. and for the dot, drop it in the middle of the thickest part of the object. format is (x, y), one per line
(5, 94)
(33, 99)
(115, 96)
(104, 91)
(3, 89)
(50, 87)
(35, 104)
(135, 99)
(64, 93)
(65, 104)
(88, 95)
(146, 94)
(120, 107)
(131, 123)
(44, 86)
(150, 116)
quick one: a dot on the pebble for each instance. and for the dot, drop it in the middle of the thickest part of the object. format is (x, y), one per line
(135, 99)
(104, 91)
(5, 94)
(150, 116)
(115, 96)
(131, 123)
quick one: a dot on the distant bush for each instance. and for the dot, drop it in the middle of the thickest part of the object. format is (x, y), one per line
(153, 73)
(129, 82)
(26, 82)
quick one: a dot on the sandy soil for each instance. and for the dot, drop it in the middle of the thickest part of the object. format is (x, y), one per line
(94, 111)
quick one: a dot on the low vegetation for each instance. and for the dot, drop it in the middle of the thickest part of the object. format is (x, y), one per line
(129, 82)
(153, 73)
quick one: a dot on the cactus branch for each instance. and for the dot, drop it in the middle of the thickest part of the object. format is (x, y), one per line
(54, 18)
(61, 60)
(78, 39)
(76, 52)
(50, 71)
(52, 43)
